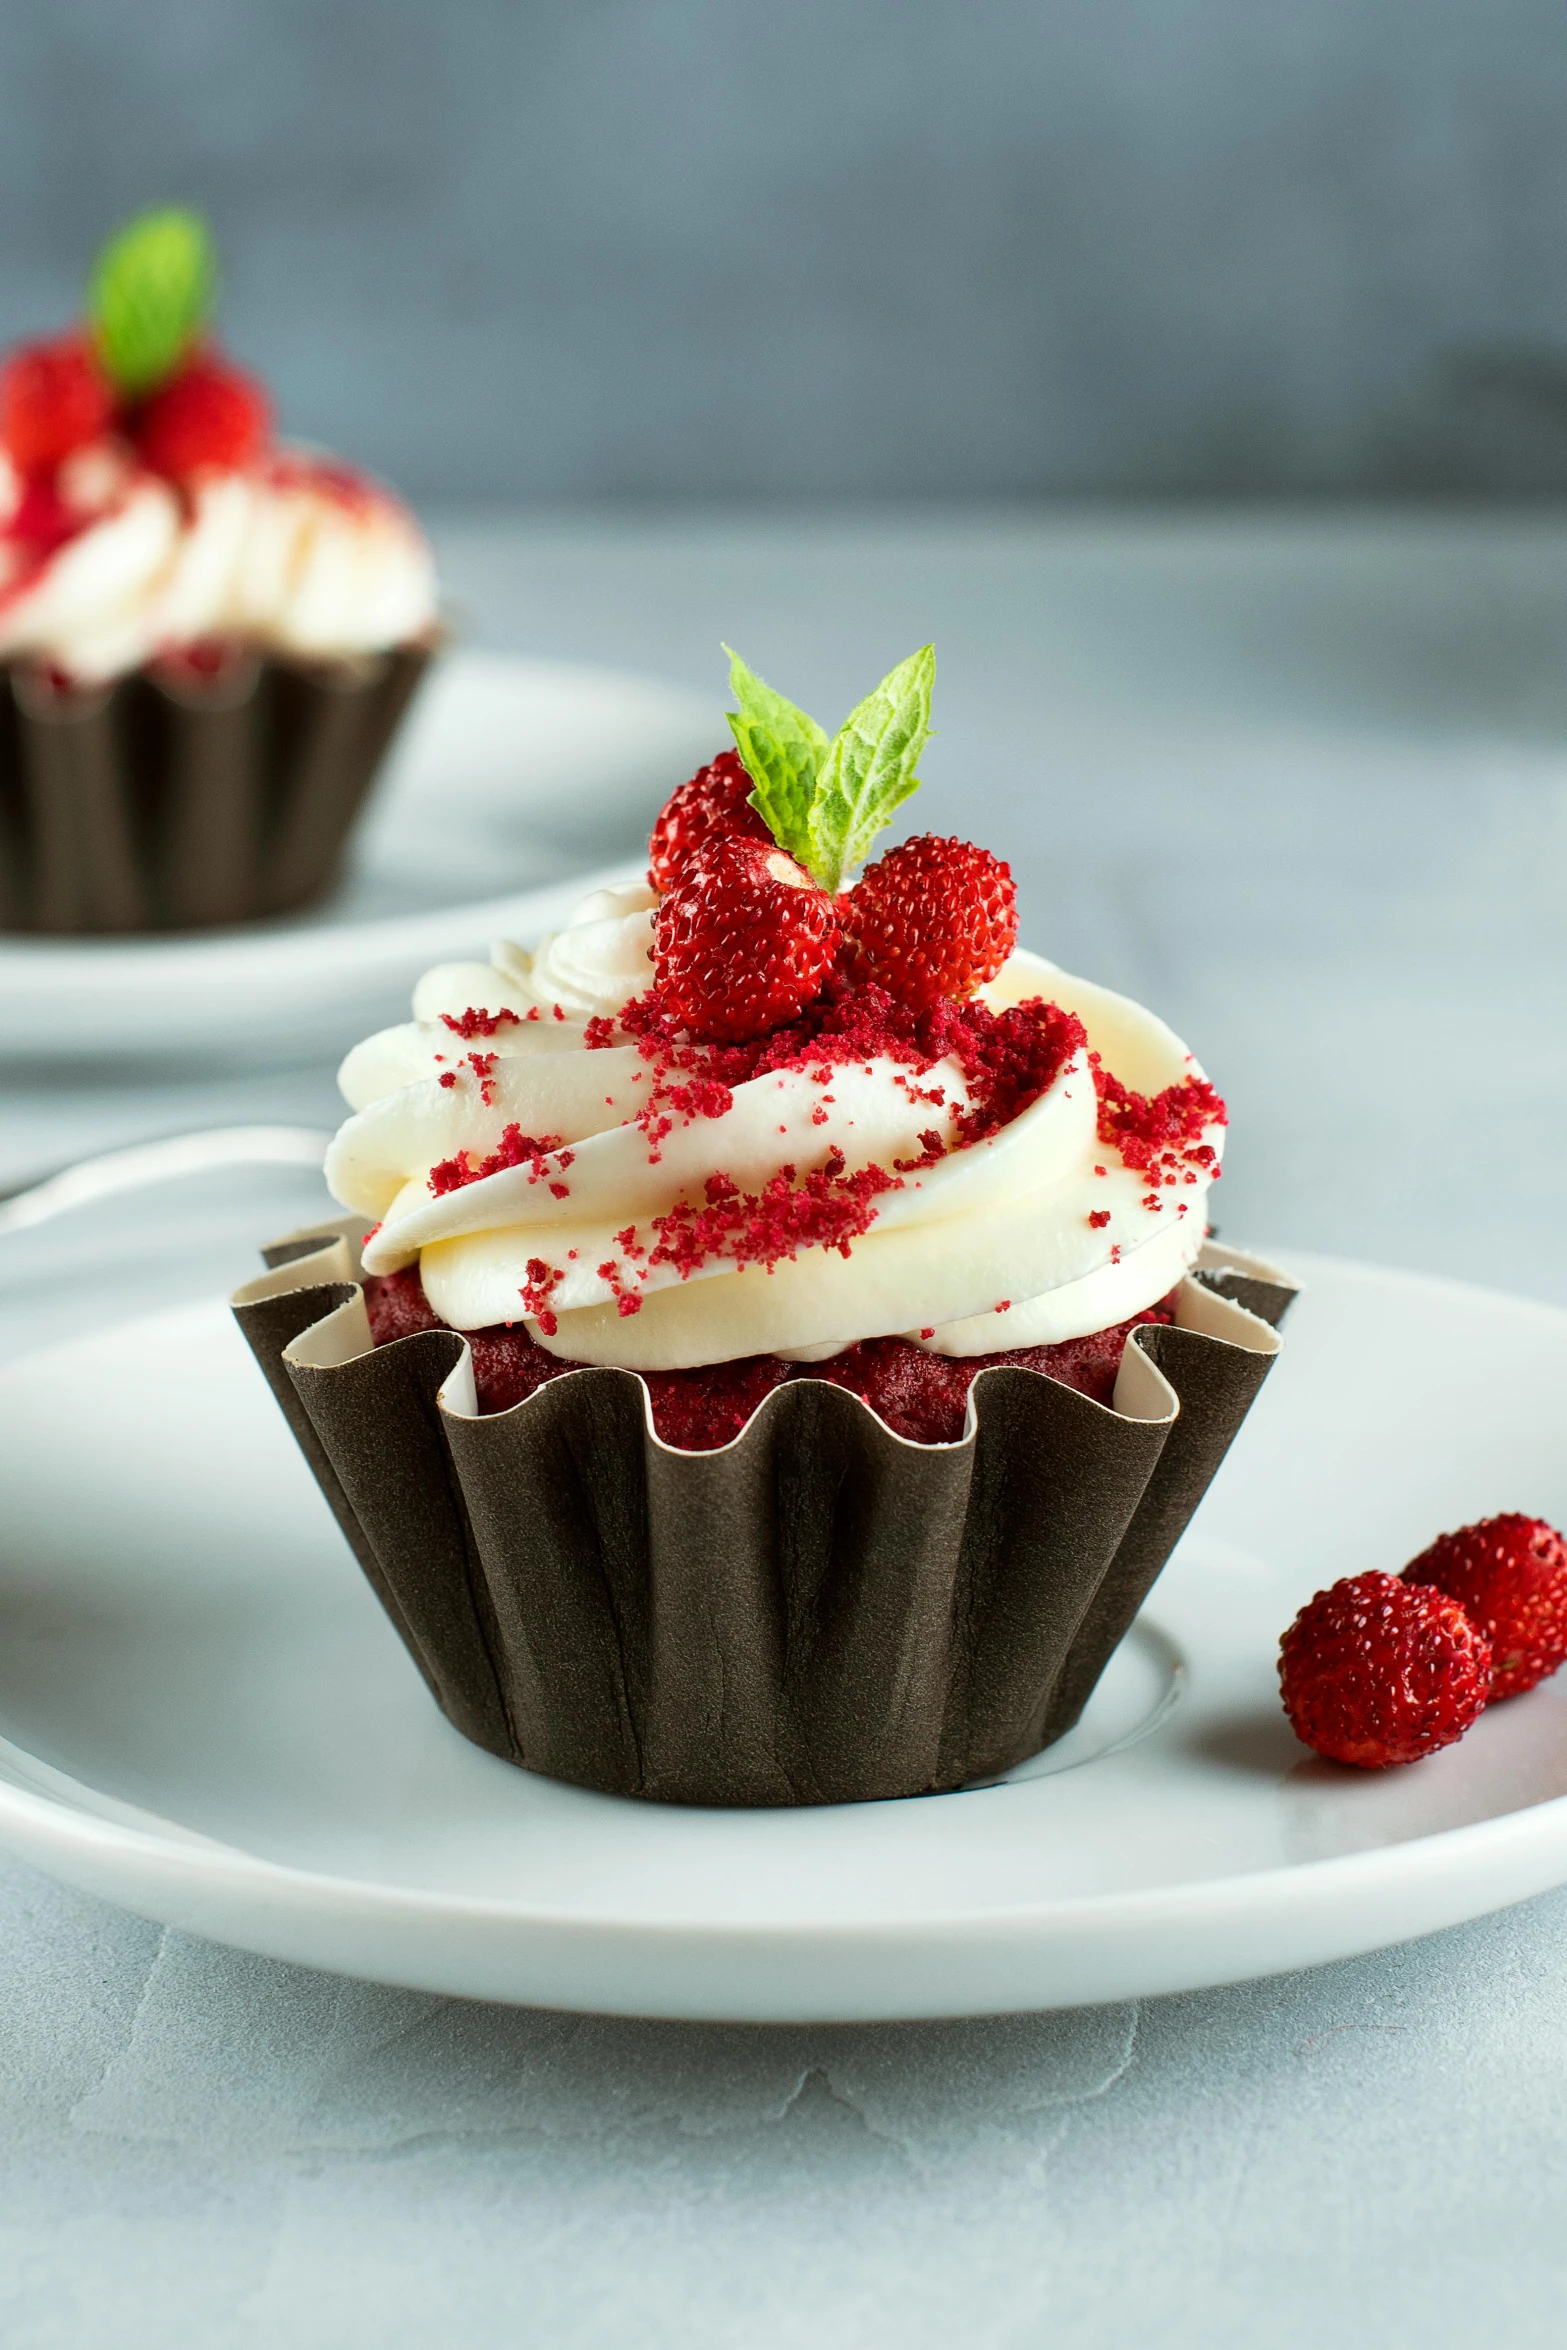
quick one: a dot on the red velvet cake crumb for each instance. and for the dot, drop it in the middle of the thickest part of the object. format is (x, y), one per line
(697, 1411)
(397, 1305)
(508, 1366)
(1008, 1058)
(827, 1209)
(1160, 1135)
(475, 1021)
(515, 1149)
(917, 1395)
(924, 1396)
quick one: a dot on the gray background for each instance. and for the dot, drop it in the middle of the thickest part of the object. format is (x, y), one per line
(582, 248)
(1300, 785)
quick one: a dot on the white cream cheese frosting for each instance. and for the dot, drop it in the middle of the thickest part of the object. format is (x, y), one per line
(83, 604)
(1036, 1233)
(297, 555)
(331, 565)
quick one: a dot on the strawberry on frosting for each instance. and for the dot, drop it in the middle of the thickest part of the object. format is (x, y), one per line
(54, 397)
(756, 1113)
(712, 804)
(742, 940)
(932, 918)
(145, 507)
(210, 415)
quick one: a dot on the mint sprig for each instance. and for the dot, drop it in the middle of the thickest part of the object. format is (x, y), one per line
(824, 802)
(151, 290)
(782, 751)
(870, 768)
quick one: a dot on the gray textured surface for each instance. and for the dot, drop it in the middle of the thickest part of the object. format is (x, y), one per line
(203, 2148)
(679, 247)
(1304, 787)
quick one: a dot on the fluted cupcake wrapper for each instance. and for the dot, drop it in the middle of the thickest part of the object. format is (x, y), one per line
(822, 1612)
(149, 805)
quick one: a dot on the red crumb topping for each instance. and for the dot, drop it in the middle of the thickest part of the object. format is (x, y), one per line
(515, 1149)
(1160, 1135)
(1008, 1058)
(329, 478)
(477, 1022)
(825, 1209)
(542, 1282)
(919, 1396)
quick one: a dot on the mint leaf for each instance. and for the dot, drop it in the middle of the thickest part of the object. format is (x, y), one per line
(151, 289)
(782, 750)
(870, 768)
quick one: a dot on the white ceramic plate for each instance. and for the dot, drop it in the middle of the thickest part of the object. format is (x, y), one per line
(206, 1717)
(512, 780)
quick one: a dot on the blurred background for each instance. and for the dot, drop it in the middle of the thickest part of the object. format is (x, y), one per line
(653, 249)
(1193, 372)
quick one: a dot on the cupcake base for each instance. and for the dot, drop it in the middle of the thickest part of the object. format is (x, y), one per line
(820, 1612)
(172, 800)
(921, 1396)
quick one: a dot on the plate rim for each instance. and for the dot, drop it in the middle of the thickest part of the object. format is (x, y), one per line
(148, 975)
(1452, 1874)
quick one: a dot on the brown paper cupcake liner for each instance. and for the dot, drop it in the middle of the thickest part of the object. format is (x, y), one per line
(822, 1612)
(150, 804)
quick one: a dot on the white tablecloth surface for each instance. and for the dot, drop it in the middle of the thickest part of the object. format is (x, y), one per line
(1300, 781)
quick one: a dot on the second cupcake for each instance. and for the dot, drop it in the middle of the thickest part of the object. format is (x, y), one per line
(207, 639)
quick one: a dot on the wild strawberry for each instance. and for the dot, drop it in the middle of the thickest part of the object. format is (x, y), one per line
(210, 414)
(1508, 1574)
(713, 804)
(742, 940)
(54, 398)
(932, 918)
(1377, 1670)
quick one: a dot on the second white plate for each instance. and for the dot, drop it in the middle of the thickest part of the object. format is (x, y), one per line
(205, 1716)
(513, 780)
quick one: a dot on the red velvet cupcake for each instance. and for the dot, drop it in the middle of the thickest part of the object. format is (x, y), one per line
(780, 1300)
(208, 639)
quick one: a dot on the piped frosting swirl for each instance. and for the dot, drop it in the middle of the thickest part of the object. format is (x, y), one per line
(546, 1155)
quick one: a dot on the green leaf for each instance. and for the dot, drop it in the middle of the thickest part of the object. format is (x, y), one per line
(151, 289)
(782, 751)
(870, 768)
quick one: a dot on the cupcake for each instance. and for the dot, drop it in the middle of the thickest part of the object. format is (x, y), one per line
(774, 1342)
(208, 638)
